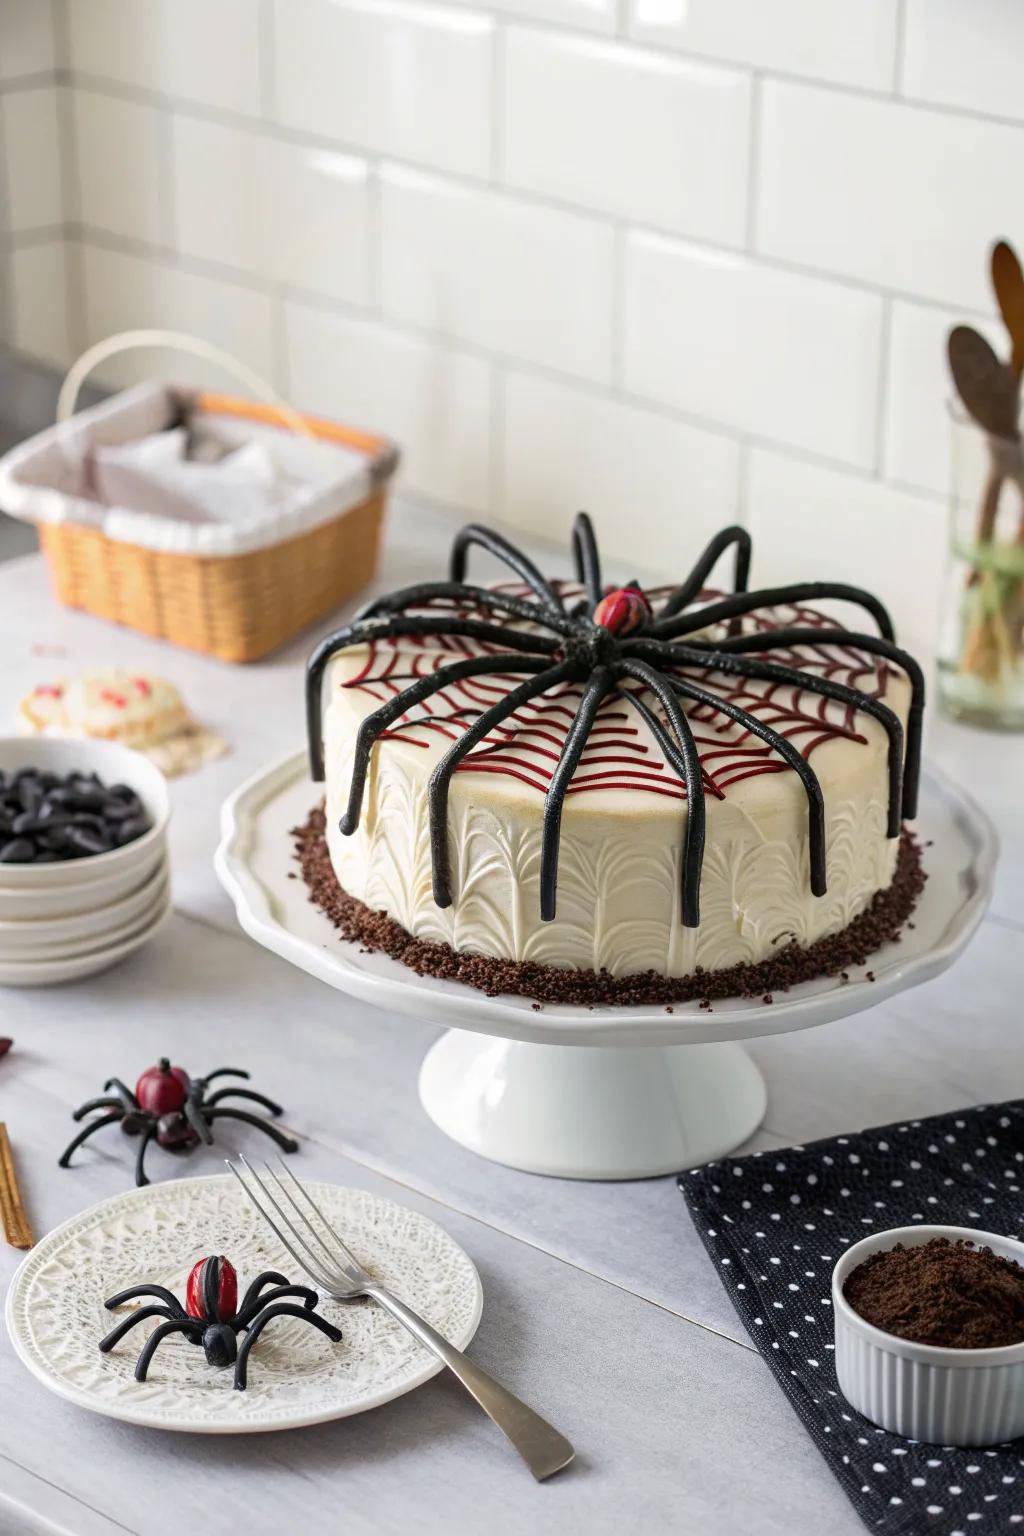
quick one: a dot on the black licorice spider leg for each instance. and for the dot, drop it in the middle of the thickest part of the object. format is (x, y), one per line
(693, 837)
(500, 603)
(692, 587)
(286, 1143)
(64, 1160)
(766, 671)
(371, 725)
(514, 558)
(875, 645)
(602, 681)
(279, 1309)
(790, 754)
(401, 624)
(742, 603)
(440, 778)
(586, 558)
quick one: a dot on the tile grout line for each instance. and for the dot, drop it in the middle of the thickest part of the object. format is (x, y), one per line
(302, 138)
(104, 240)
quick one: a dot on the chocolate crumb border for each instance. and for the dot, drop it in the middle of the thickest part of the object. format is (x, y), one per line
(878, 924)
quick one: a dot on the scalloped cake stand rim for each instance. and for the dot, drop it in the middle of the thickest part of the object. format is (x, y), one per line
(255, 866)
(124, 1409)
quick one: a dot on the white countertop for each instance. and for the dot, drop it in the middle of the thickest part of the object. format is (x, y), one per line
(600, 1307)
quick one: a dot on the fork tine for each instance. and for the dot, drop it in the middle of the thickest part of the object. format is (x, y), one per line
(308, 1226)
(312, 1262)
(303, 1264)
(349, 1256)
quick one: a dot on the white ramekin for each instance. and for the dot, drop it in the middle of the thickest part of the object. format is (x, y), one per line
(945, 1396)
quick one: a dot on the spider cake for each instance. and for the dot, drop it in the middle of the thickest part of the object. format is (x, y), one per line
(592, 794)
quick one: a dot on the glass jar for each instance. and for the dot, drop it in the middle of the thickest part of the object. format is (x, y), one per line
(981, 644)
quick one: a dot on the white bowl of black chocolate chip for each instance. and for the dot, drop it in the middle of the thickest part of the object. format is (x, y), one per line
(73, 812)
(929, 1333)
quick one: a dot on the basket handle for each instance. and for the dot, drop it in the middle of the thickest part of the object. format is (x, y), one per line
(129, 341)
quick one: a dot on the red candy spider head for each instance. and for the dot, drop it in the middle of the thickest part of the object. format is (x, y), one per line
(623, 610)
(163, 1089)
(211, 1294)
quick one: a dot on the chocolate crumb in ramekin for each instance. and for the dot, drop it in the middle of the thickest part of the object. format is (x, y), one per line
(880, 922)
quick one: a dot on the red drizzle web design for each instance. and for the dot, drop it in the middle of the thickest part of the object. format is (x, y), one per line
(620, 752)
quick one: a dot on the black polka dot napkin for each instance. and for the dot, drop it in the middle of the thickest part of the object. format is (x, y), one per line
(774, 1224)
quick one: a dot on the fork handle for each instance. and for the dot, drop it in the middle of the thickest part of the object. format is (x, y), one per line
(540, 1445)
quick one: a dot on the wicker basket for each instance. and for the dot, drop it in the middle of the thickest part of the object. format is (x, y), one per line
(237, 607)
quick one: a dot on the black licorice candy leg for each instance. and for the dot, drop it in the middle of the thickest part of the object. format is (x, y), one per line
(245, 1315)
(140, 1157)
(875, 646)
(135, 1291)
(281, 1309)
(791, 755)
(693, 841)
(437, 788)
(124, 1093)
(372, 724)
(770, 597)
(180, 1325)
(586, 558)
(496, 545)
(600, 684)
(692, 587)
(268, 1277)
(491, 601)
(117, 1334)
(389, 627)
(64, 1161)
(243, 1093)
(738, 665)
(93, 1104)
(286, 1143)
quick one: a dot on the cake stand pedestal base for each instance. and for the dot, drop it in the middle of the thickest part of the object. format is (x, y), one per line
(591, 1112)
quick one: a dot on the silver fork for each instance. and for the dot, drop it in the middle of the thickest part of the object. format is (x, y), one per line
(339, 1275)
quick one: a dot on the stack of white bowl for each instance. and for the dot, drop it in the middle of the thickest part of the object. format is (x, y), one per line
(63, 921)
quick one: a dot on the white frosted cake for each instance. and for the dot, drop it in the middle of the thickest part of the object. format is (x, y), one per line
(801, 795)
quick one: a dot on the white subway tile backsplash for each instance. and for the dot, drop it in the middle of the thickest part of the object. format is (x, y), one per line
(40, 324)
(965, 56)
(887, 193)
(109, 131)
(31, 143)
(824, 39)
(774, 354)
(640, 160)
(396, 77)
(809, 523)
(284, 212)
(124, 292)
(189, 49)
(919, 392)
(26, 39)
(655, 487)
(584, 15)
(526, 281)
(435, 400)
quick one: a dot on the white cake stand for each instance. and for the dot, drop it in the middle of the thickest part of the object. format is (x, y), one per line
(601, 1093)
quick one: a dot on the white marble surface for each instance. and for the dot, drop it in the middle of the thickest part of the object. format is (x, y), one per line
(600, 1306)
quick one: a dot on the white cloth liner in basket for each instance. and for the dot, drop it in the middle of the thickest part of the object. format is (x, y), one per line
(298, 481)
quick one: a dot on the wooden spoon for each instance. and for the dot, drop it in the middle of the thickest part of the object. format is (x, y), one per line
(987, 387)
(1008, 282)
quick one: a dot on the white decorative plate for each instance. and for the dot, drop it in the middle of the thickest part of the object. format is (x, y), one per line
(55, 1314)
